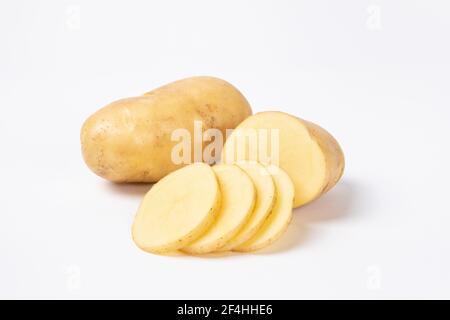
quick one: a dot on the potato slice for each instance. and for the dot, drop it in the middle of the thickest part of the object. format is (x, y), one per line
(177, 209)
(279, 218)
(238, 200)
(265, 198)
(310, 156)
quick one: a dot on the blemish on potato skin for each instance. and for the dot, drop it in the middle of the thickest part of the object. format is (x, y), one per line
(211, 108)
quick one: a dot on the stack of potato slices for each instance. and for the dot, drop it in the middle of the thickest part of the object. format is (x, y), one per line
(201, 209)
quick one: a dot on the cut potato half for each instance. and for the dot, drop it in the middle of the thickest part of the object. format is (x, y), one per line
(310, 156)
(265, 197)
(177, 209)
(238, 200)
(279, 218)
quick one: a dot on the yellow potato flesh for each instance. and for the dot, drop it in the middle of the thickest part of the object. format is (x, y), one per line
(279, 218)
(310, 155)
(238, 199)
(177, 210)
(265, 197)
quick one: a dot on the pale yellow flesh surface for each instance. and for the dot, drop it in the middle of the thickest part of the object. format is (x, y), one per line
(177, 210)
(265, 198)
(310, 155)
(278, 220)
(238, 200)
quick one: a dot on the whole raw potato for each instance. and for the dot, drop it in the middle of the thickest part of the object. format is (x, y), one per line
(129, 140)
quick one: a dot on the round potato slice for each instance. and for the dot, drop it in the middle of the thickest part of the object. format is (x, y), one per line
(238, 200)
(265, 198)
(177, 209)
(279, 218)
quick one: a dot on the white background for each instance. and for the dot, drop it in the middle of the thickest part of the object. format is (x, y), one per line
(374, 73)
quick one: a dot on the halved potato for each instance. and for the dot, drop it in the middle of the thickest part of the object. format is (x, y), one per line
(309, 154)
(238, 200)
(177, 209)
(279, 218)
(265, 197)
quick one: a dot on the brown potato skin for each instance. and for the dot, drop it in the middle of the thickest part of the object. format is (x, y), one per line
(334, 156)
(129, 140)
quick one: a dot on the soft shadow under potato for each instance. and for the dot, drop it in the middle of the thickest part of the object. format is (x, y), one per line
(336, 204)
(137, 190)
